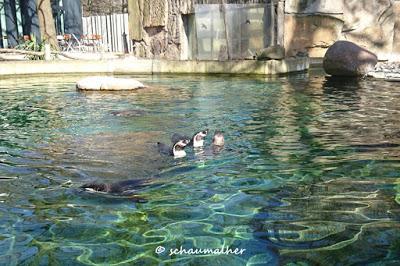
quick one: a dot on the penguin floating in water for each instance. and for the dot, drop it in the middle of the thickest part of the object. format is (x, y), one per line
(218, 139)
(218, 142)
(177, 150)
(196, 141)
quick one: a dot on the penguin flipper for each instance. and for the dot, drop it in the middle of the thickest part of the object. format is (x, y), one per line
(177, 137)
(164, 148)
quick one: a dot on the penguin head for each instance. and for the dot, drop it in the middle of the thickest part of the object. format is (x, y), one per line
(218, 139)
(178, 149)
(198, 138)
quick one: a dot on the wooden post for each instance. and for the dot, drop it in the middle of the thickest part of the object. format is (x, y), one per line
(125, 41)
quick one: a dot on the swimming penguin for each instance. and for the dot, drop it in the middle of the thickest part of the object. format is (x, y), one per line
(196, 141)
(123, 187)
(218, 142)
(177, 150)
(218, 138)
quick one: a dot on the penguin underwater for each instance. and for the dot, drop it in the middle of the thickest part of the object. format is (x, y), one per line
(125, 187)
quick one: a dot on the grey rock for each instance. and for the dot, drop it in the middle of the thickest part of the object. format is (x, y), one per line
(345, 58)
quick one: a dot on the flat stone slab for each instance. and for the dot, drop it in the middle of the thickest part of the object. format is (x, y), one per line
(393, 78)
(101, 83)
(389, 71)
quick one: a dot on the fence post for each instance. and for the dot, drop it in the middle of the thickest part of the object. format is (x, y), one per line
(125, 43)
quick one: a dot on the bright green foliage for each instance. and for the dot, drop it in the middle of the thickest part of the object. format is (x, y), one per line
(33, 45)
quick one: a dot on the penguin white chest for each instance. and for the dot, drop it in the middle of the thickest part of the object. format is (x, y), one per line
(179, 154)
(198, 143)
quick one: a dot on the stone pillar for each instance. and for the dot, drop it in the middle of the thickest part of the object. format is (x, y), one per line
(30, 20)
(280, 20)
(269, 24)
(11, 22)
(73, 17)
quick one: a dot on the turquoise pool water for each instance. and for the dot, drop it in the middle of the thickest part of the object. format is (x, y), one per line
(310, 174)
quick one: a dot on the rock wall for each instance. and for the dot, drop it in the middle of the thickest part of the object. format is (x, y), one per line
(312, 25)
(396, 32)
(157, 26)
(369, 23)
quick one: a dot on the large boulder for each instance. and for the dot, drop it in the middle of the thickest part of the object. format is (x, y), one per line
(345, 58)
(98, 83)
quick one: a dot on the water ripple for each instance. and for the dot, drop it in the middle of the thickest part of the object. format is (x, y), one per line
(309, 173)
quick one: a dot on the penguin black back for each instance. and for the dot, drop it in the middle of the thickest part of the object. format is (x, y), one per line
(164, 149)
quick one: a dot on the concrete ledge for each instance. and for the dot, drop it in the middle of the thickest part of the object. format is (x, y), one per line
(147, 66)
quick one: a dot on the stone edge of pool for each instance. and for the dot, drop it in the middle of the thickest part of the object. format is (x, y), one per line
(148, 66)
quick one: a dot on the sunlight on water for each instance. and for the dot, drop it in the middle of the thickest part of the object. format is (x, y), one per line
(309, 174)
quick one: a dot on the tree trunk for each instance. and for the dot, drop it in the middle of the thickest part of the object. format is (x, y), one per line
(46, 23)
